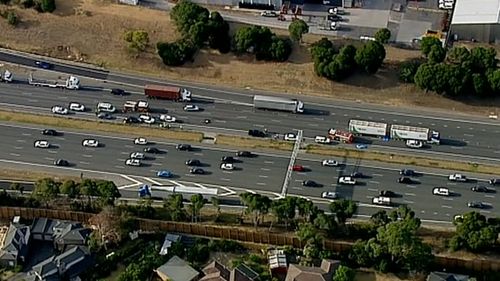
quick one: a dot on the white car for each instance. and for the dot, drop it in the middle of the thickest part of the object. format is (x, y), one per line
(148, 119)
(290, 137)
(133, 162)
(57, 109)
(382, 200)
(329, 195)
(347, 180)
(137, 155)
(227, 166)
(191, 107)
(42, 144)
(446, 6)
(168, 118)
(90, 143)
(322, 139)
(457, 177)
(75, 106)
(414, 144)
(330, 163)
(140, 141)
(443, 191)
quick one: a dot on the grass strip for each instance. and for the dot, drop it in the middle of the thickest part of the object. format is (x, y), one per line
(254, 142)
(403, 159)
(31, 175)
(100, 126)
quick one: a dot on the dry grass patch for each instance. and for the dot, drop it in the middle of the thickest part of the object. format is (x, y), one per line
(253, 143)
(99, 126)
(31, 175)
(403, 159)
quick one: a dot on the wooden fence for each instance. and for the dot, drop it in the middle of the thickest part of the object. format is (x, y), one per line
(238, 234)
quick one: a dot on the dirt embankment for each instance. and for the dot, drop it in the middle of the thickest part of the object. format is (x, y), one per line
(92, 31)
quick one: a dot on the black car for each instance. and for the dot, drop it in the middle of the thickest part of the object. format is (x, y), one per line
(481, 188)
(152, 150)
(356, 175)
(117, 92)
(49, 132)
(256, 133)
(43, 64)
(227, 159)
(494, 181)
(193, 162)
(197, 171)
(407, 172)
(387, 193)
(476, 204)
(186, 147)
(61, 162)
(131, 120)
(334, 17)
(105, 116)
(244, 154)
(405, 180)
(310, 183)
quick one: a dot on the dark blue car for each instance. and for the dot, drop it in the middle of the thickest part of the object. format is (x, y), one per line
(43, 64)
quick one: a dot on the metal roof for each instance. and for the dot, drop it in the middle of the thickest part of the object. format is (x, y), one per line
(476, 12)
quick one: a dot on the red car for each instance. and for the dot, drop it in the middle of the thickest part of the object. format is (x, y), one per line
(298, 168)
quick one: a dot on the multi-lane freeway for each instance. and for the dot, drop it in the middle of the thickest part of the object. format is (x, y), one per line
(263, 174)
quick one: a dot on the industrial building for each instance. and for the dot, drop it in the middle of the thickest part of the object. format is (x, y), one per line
(476, 20)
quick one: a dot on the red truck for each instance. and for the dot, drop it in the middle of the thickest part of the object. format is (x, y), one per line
(342, 136)
(167, 92)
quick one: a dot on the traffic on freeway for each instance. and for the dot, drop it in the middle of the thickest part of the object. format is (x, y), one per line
(473, 141)
(175, 162)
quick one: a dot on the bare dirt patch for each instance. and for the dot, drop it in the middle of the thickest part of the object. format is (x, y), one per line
(92, 31)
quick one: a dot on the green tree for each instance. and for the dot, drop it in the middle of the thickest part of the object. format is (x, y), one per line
(256, 205)
(216, 205)
(383, 35)
(480, 84)
(305, 209)
(494, 80)
(12, 18)
(408, 70)
(306, 232)
(280, 49)
(177, 53)
(344, 273)
(199, 253)
(46, 188)
(88, 187)
(17, 186)
(198, 34)
(428, 42)
(219, 33)
(474, 233)
(197, 203)
(48, 6)
(483, 59)
(343, 210)
(137, 40)
(284, 209)
(108, 192)
(437, 54)
(322, 50)
(4, 2)
(380, 218)
(175, 207)
(370, 56)
(185, 14)
(297, 29)
(459, 56)
(70, 188)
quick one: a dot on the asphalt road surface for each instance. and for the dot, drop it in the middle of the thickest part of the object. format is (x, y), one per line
(474, 142)
(264, 173)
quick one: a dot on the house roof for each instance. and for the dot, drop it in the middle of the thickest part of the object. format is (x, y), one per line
(445, 276)
(476, 12)
(16, 241)
(71, 262)
(215, 271)
(167, 243)
(177, 269)
(244, 273)
(306, 273)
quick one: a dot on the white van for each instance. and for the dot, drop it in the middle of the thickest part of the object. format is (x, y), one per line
(105, 107)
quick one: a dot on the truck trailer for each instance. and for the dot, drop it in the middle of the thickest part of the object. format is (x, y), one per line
(6, 76)
(167, 92)
(368, 128)
(278, 103)
(404, 132)
(136, 106)
(342, 136)
(71, 83)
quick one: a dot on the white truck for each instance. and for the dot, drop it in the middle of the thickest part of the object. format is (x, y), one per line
(71, 83)
(381, 200)
(186, 191)
(6, 76)
(278, 103)
(368, 128)
(403, 132)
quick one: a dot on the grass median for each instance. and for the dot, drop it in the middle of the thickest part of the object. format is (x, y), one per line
(100, 126)
(403, 159)
(254, 142)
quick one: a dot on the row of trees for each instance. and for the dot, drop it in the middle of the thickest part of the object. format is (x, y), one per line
(455, 72)
(337, 65)
(46, 6)
(263, 43)
(474, 233)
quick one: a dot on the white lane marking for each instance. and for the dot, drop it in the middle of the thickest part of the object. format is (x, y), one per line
(224, 179)
(52, 151)
(15, 154)
(297, 187)
(448, 198)
(410, 194)
(33, 100)
(49, 158)
(84, 163)
(18, 147)
(227, 172)
(263, 176)
(483, 211)
(451, 183)
(261, 183)
(250, 191)
(298, 180)
(377, 175)
(276, 120)
(265, 169)
(125, 153)
(61, 138)
(456, 147)
(373, 189)
(198, 154)
(313, 125)
(21, 140)
(121, 160)
(489, 196)
(160, 157)
(411, 186)
(469, 135)
(258, 125)
(87, 155)
(446, 206)
(128, 146)
(189, 175)
(26, 134)
(374, 182)
(408, 201)
(119, 167)
(157, 164)
(269, 162)
(220, 121)
(241, 117)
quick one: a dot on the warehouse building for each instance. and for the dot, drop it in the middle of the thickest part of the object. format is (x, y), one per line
(476, 20)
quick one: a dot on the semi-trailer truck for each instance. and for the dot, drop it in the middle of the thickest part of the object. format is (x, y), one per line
(6, 76)
(278, 103)
(368, 128)
(404, 132)
(342, 136)
(167, 92)
(71, 83)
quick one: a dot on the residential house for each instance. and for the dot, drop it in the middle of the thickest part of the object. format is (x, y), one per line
(445, 276)
(63, 234)
(305, 273)
(277, 261)
(218, 272)
(177, 269)
(14, 243)
(67, 265)
(167, 243)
